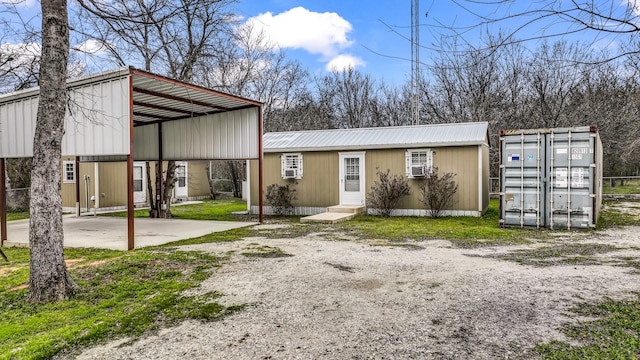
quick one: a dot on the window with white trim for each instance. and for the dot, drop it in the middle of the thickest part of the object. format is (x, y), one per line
(69, 171)
(419, 163)
(291, 166)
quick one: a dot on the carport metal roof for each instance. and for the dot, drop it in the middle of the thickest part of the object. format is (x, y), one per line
(128, 114)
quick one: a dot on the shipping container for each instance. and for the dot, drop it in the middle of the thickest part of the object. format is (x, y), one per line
(550, 178)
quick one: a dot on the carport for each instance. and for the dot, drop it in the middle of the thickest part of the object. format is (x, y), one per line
(129, 114)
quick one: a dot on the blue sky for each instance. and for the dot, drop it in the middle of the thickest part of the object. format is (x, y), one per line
(373, 35)
(326, 34)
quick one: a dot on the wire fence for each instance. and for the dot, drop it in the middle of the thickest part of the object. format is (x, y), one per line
(18, 199)
(612, 186)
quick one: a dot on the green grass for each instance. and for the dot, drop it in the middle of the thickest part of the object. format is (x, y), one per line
(264, 251)
(220, 210)
(614, 334)
(17, 215)
(629, 187)
(560, 254)
(462, 231)
(124, 294)
(610, 217)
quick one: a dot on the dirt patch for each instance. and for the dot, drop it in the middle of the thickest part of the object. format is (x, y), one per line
(4, 271)
(19, 287)
(358, 299)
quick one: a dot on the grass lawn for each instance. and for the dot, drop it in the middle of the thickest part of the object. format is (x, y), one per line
(114, 301)
(629, 187)
(17, 215)
(220, 210)
(129, 293)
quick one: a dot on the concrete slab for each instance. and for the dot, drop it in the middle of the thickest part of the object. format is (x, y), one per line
(111, 232)
(328, 217)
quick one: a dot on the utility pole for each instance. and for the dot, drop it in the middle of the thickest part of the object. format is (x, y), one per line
(415, 61)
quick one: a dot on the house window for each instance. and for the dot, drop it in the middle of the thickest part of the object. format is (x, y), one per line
(181, 175)
(137, 178)
(69, 172)
(419, 163)
(291, 166)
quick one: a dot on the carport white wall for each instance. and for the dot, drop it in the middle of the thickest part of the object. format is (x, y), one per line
(97, 121)
(186, 139)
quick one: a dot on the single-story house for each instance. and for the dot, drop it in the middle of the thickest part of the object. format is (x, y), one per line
(109, 180)
(338, 167)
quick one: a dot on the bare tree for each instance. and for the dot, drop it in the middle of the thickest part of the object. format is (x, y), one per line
(348, 95)
(49, 278)
(169, 36)
(545, 19)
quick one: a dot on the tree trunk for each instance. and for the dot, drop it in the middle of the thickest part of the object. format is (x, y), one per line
(233, 172)
(170, 180)
(153, 205)
(49, 279)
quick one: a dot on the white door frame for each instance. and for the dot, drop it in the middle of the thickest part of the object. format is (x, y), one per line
(182, 191)
(140, 196)
(352, 197)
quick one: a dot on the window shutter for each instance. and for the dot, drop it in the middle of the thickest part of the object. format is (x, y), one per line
(407, 161)
(283, 165)
(300, 166)
(429, 160)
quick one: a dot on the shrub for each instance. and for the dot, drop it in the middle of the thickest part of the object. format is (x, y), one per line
(386, 192)
(437, 192)
(280, 198)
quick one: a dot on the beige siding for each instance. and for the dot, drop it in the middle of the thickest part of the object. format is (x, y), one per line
(485, 178)
(319, 186)
(113, 183)
(462, 161)
(198, 178)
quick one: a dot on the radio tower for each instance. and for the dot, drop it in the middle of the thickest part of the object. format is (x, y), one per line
(415, 61)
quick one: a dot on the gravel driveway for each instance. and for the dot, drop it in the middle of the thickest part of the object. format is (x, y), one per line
(357, 299)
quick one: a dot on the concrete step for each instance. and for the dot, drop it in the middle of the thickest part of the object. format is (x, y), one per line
(350, 209)
(328, 217)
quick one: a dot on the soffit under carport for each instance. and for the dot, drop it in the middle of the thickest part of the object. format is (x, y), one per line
(159, 99)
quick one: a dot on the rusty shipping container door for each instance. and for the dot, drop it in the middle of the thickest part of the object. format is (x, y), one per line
(550, 178)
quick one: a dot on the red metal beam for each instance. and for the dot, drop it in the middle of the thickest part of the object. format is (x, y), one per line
(260, 159)
(165, 79)
(3, 203)
(130, 211)
(178, 98)
(160, 190)
(161, 107)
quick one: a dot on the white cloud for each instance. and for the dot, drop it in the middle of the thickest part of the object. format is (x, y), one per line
(25, 3)
(324, 34)
(20, 54)
(94, 47)
(344, 62)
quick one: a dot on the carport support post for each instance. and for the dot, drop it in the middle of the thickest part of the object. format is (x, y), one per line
(160, 190)
(77, 177)
(130, 228)
(260, 159)
(3, 203)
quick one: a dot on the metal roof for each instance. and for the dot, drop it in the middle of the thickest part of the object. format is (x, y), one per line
(156, 98)
(434, 135)
(159, 99)
(103, 108)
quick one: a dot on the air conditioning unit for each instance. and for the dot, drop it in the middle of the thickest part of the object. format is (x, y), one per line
(290, 173)
(418, 171)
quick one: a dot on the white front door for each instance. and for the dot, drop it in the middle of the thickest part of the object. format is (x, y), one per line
(139, 182)
(352, 191)
(182, 185)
